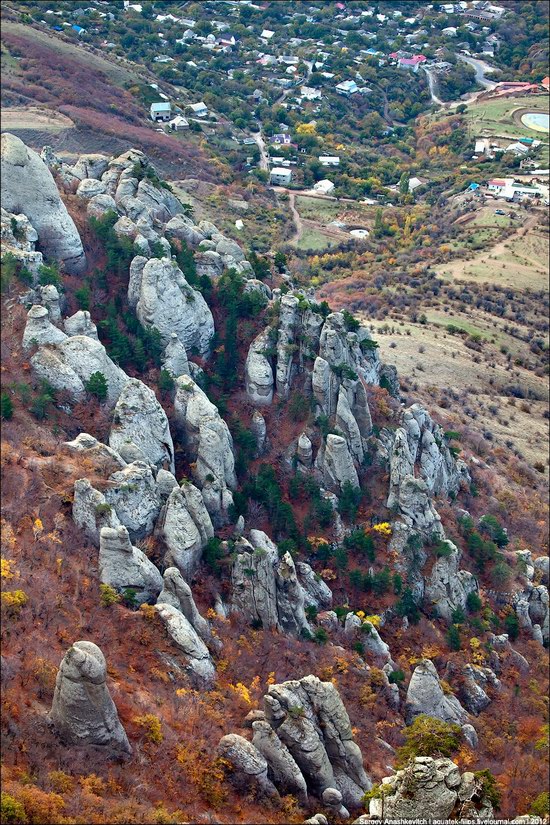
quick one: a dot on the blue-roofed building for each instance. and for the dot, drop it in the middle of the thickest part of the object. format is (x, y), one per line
(473, 186)
(78, 29)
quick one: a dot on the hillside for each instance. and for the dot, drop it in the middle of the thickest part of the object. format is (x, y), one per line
(376, 555)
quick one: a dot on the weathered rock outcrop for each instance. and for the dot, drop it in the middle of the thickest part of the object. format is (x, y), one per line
(420, 444)
(80, 324)
(311, 720)
(83, 711)
(185, 637)
(414, 505)
(258, 370)
(18, 238)
(127, 568)
(249, 766)
(265, 589)
(447, 587)
(175, 357)
(140, 421)
(134, 496)
(209, 445)
(282, 768)
(86, 443)
(335, 464)
(431, 789)
(91, 511)
(185, 526)
(316, 591)
(475, 683)
(39, 329)
(163, 299)
(69, 364)
(288, 321)
(28, 188)
(425, 696)
(177, 593)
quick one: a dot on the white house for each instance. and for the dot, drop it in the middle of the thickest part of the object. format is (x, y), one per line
(481, 147)
(267, 34)
(324, 187)
(329, 160)
(309, 93)
(347, 88)
(199, 109)
(179, 122)
(414, 183)
(160, 112)
(518, 149)
(280, 176)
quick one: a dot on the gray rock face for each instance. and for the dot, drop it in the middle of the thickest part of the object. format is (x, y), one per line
(39, 330)
(288, 320)
(90, 166)
(311, 720)
(21, 247)
(332, 799)
(83, 711)
(425, 696)
(265, 588)
(91, 511)
(476, 681)
(421, 443)
(259, 428)
(80, 324)
(139, 420)
(249, 766)
(183, 229)
(447, 587)
(69, 364)
(282, 769)
(49, 297)
(186, 639)
(99, 205)
(89, 188)
(415, 506)
(258, 371)
(167, 302)
(209, 444)
(316, 591)
(304, 452)
(29, 188)
(134, 496)
(186, 527)
(86, 443)
(336, 465)
(431, 789)
(542, 564)
(125, 567)
(175, 357)
(373, 643)
(177, 593)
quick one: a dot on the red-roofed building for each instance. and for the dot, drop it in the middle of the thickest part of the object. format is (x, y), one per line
(412, 62)
(545, 83)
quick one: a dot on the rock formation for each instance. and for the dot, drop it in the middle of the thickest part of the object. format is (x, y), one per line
(258, 371)
(431, 789)
(266, 589)
(185, 526)
(163, 299)
(127, 568)
(282, 769)
(18, 237)
(447, 587)
(28, 188)
(185, 637)
(425, 696)
(335, 464)
(209, 446)
(248, 764)
(39, 329)
(177, 593)
(83, 711)
(91, 511)
(134, 496)
(140, 421)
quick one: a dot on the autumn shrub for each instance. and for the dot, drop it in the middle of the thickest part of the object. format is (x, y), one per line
(428, 736)
(541, 805)
(13, 601)
(152, 727)
(11, 810)
(108, 595)
(489, 787)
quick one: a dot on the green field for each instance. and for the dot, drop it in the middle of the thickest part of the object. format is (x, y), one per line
(496, 116)
(315, 240)
(317, 209)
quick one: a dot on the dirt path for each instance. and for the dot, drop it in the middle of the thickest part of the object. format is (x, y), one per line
(296, 218)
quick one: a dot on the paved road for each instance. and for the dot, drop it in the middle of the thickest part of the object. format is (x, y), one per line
(481, 69)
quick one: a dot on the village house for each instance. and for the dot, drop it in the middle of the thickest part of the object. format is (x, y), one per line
(347, 88)
(280, 176)
(329, 160)
(160, 112)
(199, 109)
(324, 187)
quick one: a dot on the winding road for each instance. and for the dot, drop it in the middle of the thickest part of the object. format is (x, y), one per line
(481, 69)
